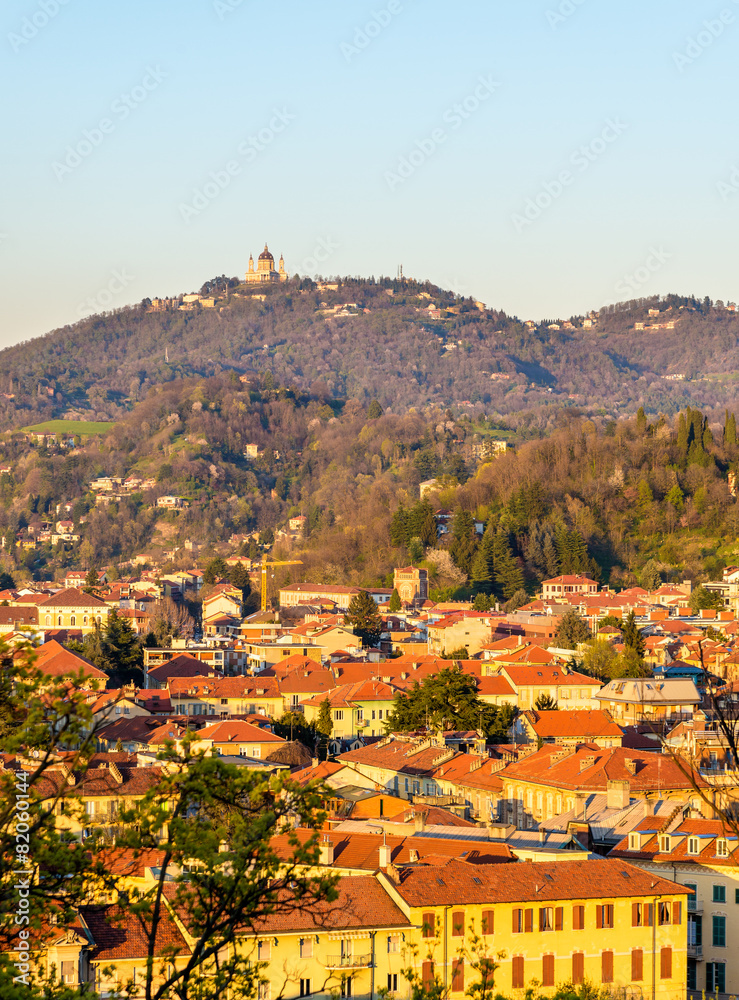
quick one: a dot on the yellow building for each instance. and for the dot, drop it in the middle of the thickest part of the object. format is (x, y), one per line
(609, 923)
(265, 271)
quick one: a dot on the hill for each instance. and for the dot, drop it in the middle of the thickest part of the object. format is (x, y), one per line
(404, 343)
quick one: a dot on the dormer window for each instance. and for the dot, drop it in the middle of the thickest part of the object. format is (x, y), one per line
(693, 845)
(664, 843)
(722, 848)
(634, 842)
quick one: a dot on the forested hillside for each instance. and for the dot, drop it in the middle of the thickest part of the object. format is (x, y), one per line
(403, 343)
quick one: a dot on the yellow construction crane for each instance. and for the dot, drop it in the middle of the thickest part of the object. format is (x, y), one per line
(265, 565)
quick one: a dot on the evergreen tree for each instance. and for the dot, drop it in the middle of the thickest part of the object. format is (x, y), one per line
(216, 569)
(394, 603)
(641, 422)
(571, 631)
(551, 559)
(238, 576)
(464, 541)
(399, 533)
(480, 576)
(374, 411)
(324, 728)
(730, 430)
(481, 602)
(422, 523)
(363, 615)
(123, 649)
(545, 703)
(682, 436)
(702, 599)
(91, 581)
(632, 636)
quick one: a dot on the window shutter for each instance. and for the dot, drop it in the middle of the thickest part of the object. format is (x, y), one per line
(637, 965)
(458, 975)
(488, 921)
(458, 923)
(677, 912)
(427, 974)
(578, 918)
(547, 970)
(648, 914)
(517, 972)
(578, 967)
(429, 925)
(542, 918)
(528, 921)
(634, 914)
(599, 917)
(606, 967)
(517, 922)
(559, 918)
(665, 963)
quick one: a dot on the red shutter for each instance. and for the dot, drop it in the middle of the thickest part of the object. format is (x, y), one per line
(599, 917)
(559, 919)
(458, 923)
(427, 974)
(637, 965)
(635, 914)
(578, 918)
(458, 975)
(528, 921)
(517, 921)
(648, 914)
(517, 972)
(547, 970)
(429, 925)
(488, 921)
(665, 963)
(677, 913)
(542, 918)
(578, 967)
(606, 967)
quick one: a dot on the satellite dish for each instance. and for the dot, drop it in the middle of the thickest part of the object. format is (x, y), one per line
(36, 753)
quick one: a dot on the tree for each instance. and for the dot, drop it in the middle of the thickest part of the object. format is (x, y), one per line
(545, 703)
(571, 631)
(294, 726)
(448, 700)
(464, 541)
(364, 616)
(394, 603)
(324, 728)
(213, 825)
(91, 581)
(651, 575)
(238, 576)
(703, 599)
(632, 636)
(599, 659)
(480, 575)
(508, 573)
(216, 569)
(6, 581)
(481, 602)
(123, 648)
(374, 411)
(170, 621)
(519, 599)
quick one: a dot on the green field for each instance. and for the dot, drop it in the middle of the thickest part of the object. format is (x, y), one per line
(79, 427)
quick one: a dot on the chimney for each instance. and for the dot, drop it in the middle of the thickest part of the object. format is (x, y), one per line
(326, 851)
(618, 794)
(649, 807)
(419, 821)
(113, 769)
(630, 765)
(385, 855)
(542, 835)
(413, 855)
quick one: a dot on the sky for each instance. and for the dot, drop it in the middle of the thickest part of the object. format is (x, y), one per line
(544, 156)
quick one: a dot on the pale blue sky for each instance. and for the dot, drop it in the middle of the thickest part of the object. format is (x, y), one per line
(180, 87)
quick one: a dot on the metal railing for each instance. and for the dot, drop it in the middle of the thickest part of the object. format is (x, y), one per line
(349, 961)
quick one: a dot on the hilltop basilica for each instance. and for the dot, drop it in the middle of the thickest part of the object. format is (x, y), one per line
(265, 272)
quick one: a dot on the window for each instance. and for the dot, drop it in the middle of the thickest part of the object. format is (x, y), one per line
(517, 921)
(695, 931)
(547, 970)
(373, 713)
(392, 982)
(517, 975)
(606, 967)
(429, 925)
(346, 987)
(722, 848)
(546, 918)
(306, 951)
(691, 898)
(719, 894)
(48, 620)
(256, 751)
(458, 975)
(264, 991)
(305, 990)
(488, 921)
(715, 977)
(604, 915)
(641, 914)
(264, 951)
(664, 914)
(578, 967)
(664, 843)
(692, 974)
(379, 713)
(718, 931)
(633, 841)
(693, 845)
(90, 807)
(339, 715)
(73, 620)
(578, 918)
(665, 963)
(637, 965)
(69, 974)
(458, 923)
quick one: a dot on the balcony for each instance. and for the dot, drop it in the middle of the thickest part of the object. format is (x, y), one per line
(695, 951)
(349, 961)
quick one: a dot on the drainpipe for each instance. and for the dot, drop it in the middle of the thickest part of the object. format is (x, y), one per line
(655, 917)
(446, 935)
(372, 966)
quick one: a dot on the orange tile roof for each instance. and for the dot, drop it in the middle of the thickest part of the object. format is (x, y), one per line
(572, 723)
(72, 597)
(237, 731)
(705, 830)
(117, 937)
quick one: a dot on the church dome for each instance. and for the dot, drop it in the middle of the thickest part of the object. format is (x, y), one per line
(265, 254)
